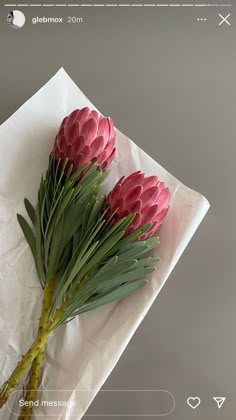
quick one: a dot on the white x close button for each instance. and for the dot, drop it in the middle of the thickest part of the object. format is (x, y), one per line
(224, 19)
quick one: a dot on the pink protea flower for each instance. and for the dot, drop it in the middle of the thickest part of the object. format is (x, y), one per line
(146, 197)
(85, 136)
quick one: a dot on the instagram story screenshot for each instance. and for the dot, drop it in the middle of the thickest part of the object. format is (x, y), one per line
(117, 209)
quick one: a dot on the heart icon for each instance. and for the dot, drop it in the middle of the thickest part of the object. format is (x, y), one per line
(193, 402)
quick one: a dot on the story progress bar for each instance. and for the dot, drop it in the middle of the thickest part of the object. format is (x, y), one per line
(121, 5)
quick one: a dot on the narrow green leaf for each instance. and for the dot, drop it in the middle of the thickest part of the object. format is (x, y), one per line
(136, 249)
(120, 226)
(38, 240)
(30, 210)
(96, 210)
(68, 277)
(96, 180)
(130, 238)
(108, 272)
(90, 286)
(72, 222)
(124, 278)
(41, 191)
(76, 240)
(146, 262)
(50, 220)
(92, 236)
(80, 262)
(89, 175)
(133, 252)
(78, 171)
(86, 215)
(62, 206)
(29, 236)
(119, 293)
(55, 249)
(101, 252)
(83, 266)
(69, 172)
(110, 262)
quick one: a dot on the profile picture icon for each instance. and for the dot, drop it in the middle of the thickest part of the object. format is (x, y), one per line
(16, 19)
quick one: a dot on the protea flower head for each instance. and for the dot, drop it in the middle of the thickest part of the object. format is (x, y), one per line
(146, 197)
(85, 136)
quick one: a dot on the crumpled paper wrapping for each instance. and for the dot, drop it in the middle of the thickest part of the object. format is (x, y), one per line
(81, 354)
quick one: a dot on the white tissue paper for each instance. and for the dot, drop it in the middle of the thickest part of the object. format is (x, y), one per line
(81, 354)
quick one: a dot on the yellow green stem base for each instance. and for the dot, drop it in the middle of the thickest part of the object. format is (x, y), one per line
(27, 359)
(36, 368)
(23, 365)
(32, 386)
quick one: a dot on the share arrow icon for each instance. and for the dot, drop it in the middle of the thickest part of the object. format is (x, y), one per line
(219, 401)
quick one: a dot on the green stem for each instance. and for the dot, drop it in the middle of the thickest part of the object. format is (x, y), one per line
(25, 362)
(33, 385)
(28, 358)
(36, 368)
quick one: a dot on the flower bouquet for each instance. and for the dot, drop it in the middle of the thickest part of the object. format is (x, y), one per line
(90, 245)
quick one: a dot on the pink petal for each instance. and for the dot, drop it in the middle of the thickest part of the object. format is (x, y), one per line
(56, 152)
(73, 116)
(149, 182)
(124, 213)
(120, 205)
(79, 160)
(61, 143)
(136, 207)
(80, 144)
(111, 157)
(149, 196)
(115, 193)
(102, 157)
(136, 222)
(86, 153)
(132, 182)
(61, 131)
(63, 122)
(82, 157)
(89, 130)
(74, 150)
(132, 195)
(160, 216)
(110, 145)
(72, 132)
(103, 129)
(121, 180)
(94, 114)
(164, 198)
(83, 115)
(55, 142)
(149, 214)
(133, 175)
(161, 186)
(108, 199)
(97, 146)
(112, 132)
(69, 152)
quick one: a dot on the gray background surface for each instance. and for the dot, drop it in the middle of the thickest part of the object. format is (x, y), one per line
(168, 81)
